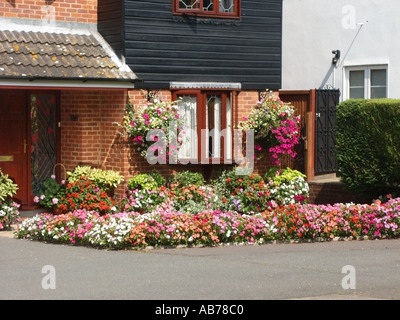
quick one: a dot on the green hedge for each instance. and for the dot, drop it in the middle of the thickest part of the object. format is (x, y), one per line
(368, 145)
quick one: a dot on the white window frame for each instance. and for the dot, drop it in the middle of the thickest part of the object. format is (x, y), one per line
(367, 79)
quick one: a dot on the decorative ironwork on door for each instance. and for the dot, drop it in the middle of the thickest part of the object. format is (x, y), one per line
(44, 140)
(325, 130)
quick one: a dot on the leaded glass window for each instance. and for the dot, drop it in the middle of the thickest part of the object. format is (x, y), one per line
(217, 8)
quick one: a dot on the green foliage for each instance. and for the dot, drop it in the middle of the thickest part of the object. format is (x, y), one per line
(159, 179)
(193, 198)
(9, 214)
(187, 178)
(144, 181)
(287, 186)
(283, 176)
(8, 188)
(50, 193)
(104, 179)
(368, 145)
(244, 194)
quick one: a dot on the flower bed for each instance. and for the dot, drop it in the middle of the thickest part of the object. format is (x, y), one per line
(166, 227)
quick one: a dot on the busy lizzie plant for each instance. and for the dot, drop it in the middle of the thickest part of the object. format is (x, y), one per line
(166, 227)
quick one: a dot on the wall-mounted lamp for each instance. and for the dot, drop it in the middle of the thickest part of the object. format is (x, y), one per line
(336, 58)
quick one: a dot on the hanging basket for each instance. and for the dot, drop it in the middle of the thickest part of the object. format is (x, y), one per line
(63, 167)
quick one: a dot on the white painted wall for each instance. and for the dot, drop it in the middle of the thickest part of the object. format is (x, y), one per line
(365, 31)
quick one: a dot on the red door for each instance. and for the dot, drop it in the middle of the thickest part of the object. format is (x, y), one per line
(14, 141)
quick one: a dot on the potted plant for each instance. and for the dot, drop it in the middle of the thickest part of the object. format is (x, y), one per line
(9, 213)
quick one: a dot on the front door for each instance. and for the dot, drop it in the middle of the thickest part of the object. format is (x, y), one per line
(14, 153)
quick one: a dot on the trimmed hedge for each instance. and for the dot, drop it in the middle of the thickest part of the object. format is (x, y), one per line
(368, 146)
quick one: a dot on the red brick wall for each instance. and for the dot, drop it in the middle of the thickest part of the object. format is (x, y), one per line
(88, 133)
(82, 11)
(331, 193)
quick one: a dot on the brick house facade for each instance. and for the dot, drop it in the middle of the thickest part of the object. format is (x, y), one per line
(89, 93)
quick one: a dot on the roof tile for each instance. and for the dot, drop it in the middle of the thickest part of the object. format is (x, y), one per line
(57, 55)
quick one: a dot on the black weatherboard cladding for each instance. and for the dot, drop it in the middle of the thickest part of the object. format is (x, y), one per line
(110, 23)
(161, 47)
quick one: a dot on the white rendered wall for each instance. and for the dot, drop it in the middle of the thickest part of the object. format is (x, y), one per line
(366, 32)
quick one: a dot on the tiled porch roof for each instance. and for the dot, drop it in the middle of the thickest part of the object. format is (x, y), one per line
(51, 55)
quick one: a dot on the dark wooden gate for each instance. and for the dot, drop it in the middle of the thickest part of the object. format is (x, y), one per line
(325, 130)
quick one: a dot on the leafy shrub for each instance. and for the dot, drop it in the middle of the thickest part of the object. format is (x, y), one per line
(143, 193)
(50, 193)
(187, 178)
(107, 180)
(9, 213)
(159, 179)
(368, 146)
(143, 181)
(244, 194)
(193, 198)
(8, 188)
(287, 186)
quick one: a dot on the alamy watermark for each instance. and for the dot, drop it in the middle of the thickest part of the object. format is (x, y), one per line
(349, 281)
(49, 280)
(49, 18)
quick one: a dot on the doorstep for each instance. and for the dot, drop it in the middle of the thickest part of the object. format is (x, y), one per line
(31, 213)
(9, 233)
(326, 178)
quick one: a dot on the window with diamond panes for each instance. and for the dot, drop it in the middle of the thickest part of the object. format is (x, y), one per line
(217, 8)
